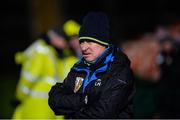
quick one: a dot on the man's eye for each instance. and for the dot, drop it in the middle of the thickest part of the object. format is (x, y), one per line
(81, 42)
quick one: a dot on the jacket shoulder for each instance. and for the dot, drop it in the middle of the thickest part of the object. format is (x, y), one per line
(120, 69)
(39, 46)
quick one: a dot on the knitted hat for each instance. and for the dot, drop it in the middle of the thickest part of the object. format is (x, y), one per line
(95, 28)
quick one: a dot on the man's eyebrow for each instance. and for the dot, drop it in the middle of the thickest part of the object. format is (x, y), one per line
(85, 40)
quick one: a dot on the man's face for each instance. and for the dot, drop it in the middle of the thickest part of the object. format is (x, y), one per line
(91, 50)
(56, 40)
(59, 42)
(74, 42)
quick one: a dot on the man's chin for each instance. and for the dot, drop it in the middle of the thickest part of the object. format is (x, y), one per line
(88, 60)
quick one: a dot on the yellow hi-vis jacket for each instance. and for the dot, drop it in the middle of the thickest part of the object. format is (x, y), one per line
(41, 68)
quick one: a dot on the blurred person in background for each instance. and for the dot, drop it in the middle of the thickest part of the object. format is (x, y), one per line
(72, 52)
(42, 67)
(144, 63)
(101, 84)
(143, 52)
(71, 28)
(168, 105)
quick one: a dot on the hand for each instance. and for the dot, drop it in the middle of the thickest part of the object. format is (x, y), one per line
(60, 88)
(15, 102)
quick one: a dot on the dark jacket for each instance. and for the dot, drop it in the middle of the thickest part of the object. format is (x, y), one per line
(108, 95)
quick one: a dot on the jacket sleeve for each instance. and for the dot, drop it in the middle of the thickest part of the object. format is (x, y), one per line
(63, 101)
(30, 73)
(113, 99)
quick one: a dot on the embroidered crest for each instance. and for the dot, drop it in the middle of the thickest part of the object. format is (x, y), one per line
(78, 83)
(98, 82)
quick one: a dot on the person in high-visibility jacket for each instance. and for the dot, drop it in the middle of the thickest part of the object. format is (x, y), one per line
(71, 29)
(41, 68)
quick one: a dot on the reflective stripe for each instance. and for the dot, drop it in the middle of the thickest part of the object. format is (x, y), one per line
(33, 93)
(39, 94)
(24, 89)
(28, 76)
(50, 80)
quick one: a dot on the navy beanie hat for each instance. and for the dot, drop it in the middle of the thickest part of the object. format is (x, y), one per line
(95, 28)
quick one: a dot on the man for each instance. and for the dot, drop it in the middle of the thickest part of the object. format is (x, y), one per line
(71, 28)
(40, 70)
(100, 85)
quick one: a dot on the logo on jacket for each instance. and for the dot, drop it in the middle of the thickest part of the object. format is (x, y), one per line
(98, 82)
(78, 83)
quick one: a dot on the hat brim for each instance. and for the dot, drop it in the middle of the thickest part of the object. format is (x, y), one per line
(93, 39)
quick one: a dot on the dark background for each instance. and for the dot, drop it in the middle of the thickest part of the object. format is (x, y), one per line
(128, 19)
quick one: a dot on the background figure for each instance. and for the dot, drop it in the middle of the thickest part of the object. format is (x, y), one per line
(143, 52)
(168, 98)
(144, 63)
(40, 70)
(72, 53)
(71, 28)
